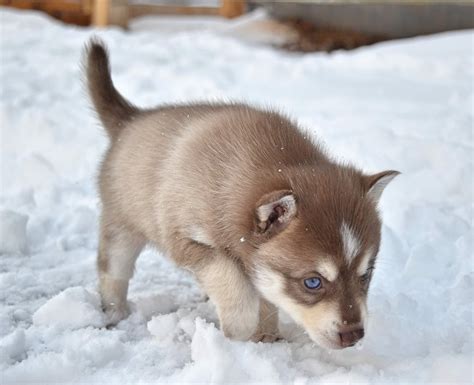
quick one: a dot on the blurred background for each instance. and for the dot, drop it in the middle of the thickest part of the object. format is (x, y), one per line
(300, 25)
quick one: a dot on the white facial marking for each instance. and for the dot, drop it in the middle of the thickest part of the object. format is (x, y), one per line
(364, 263)
(328, 270)
(364, 314)
(319, 320)
(271, 285)
(198, 234)
(351, 244)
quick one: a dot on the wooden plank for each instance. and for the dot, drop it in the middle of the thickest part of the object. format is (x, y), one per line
(68, 11)
(22, 4)
(118, 13)
(46, 5)
(19, 3)
(86, 6)
(136, 10)
(367, 2)
(232, 8)
(60, 6)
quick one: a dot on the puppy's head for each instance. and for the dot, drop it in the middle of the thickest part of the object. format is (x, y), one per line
(318, 245)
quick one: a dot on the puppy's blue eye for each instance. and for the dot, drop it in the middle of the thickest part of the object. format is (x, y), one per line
(313, 283)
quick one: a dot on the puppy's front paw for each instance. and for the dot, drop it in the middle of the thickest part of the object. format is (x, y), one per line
(266, 337)
(115, 313)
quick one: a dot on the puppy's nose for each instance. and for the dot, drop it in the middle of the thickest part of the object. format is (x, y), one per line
(351, 336)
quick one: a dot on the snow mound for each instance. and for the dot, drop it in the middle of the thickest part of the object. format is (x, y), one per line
(163, 326)
(13, 232)
(216, 359)
(74, 308)
(12, 347)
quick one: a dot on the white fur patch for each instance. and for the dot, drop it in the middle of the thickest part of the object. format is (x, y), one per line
(364, 262)
(320, 321)
(271, 286)
(198, 235)
(350, 243)
(288, 202)
(328, 270)
(364, 314)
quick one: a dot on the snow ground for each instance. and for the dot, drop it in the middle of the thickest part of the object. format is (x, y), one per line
(405, 105)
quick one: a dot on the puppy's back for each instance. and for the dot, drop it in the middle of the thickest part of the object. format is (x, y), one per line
(179, 163)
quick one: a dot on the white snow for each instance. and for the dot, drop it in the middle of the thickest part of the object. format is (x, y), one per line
(163, 326)
(12, 347)
(73, 308)
(404, 105)
(13, 232)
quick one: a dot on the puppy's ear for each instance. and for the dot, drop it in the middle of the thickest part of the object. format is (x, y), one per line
(377, 183)
(274, 211)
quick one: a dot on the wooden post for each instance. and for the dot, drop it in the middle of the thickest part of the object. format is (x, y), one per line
(86, 6)
(118, 13)
(110, 12)
(100, 13)
(232, 8)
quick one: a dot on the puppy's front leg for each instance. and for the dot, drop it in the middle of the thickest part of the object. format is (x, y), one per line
(235, 298)
(267, 330)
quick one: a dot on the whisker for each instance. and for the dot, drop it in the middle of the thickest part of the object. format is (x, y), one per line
(293, 337)
(268, 316)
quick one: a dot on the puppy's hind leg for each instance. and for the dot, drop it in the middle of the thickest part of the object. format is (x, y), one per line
(118, 250)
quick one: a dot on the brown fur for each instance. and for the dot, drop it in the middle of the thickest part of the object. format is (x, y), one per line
(197, 181)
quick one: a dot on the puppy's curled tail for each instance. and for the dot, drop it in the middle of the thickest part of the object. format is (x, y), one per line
(113, 109)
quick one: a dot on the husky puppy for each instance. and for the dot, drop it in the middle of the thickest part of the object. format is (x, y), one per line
(245, 200)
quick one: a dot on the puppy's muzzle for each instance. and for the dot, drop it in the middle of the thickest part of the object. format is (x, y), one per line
(350, 336)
